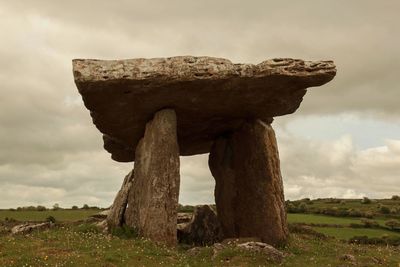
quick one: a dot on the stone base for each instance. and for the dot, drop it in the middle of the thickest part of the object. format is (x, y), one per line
(249, 190)
(153, 199)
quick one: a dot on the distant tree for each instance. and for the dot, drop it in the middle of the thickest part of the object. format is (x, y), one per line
(85, 207)
(366, 200)
(75, 207)
(302, 208)
(40, 208)
(355, 213)
(51, 219)
(395, 197)
(393, 224)
(368, 214)
(56, 206)
(384, 210)
(369, 223)
(291, 208)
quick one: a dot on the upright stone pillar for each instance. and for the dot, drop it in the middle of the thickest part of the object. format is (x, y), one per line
(115, 216)
(249, 191)
(153, 198)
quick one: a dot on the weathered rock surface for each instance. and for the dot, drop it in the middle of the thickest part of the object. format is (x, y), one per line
(249, 190)
(211, 96)
(153, 199)
(203, 229)
(254, 246)
(101, 215)
(115, 216)
(271, 252)
(29, 227)
(184, 217)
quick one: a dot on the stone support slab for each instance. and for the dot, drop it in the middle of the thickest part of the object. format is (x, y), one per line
(249, 190)
(153, 199)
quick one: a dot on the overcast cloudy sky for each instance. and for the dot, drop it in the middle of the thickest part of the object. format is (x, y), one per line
(344, 141)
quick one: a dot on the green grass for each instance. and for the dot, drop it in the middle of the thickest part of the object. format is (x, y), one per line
(325, 219)
(60, 215)
(347, 232)
(315, 218)
(68, 246)
(355, 204)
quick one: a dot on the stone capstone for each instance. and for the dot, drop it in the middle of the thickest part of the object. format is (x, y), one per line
(211, 96)
(153, 199)
(249, 190)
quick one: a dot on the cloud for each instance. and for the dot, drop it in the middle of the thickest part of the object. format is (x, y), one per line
(336, 169)
(50, 151)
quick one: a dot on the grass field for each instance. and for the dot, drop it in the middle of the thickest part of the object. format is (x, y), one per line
(347, 232)
(60, 215)
(341, 233)
(354, 204)
(316, 218)
(70, 246)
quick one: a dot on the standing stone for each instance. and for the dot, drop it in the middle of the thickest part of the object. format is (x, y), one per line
(249, 189)
(115, 217)
(153, 199)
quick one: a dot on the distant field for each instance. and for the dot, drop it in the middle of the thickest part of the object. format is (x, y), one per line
(59, 215)
(341, 233)
(355, 204)
(347, 232)
(316, 218)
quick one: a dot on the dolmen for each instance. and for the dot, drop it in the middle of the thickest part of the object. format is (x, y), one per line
(151, 111)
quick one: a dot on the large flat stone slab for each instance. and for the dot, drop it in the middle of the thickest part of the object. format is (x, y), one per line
(211, 96)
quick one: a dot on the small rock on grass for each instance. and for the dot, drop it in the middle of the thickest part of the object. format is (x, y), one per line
(348, 258)
(29, 227)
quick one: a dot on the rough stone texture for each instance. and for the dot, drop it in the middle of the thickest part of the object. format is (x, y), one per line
(153, 199)
(211, 96)
(249, 190)
(202, 230)
(184, 217)
(271, 252)
(29, 227)
(115, 216)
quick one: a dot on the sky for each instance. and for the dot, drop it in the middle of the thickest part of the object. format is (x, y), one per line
(344, 141)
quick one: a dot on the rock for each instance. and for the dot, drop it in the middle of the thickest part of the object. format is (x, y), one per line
(249, 190)
(348, 258)
(29, 227)
(264, 248)
(194, 251)
(4, 230)
(211, 96)
(153, 199)
(235, 241)
(101, 215)
(115, 216)
(103, 226)
(216, 249)
(184, 217)
(202, 230)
